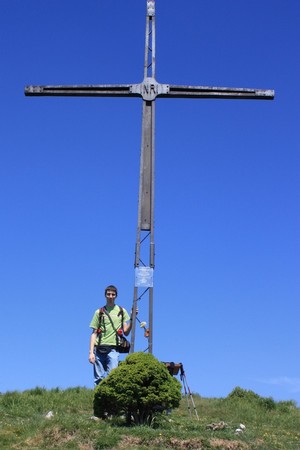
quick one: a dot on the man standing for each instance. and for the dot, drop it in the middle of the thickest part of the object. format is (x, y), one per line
(105, 323)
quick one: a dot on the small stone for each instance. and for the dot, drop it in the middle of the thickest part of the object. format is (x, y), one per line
(96, 419)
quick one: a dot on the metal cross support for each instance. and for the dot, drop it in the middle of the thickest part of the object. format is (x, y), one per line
(149, 89)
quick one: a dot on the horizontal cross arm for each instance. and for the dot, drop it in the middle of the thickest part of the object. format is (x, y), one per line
(149, 90)
(218, 92)
(106, 90)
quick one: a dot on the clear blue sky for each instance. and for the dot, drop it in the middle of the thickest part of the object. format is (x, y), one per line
(226, 295)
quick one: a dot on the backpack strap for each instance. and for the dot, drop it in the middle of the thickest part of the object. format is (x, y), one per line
(101, 320)
(121, 313)
(112, 324)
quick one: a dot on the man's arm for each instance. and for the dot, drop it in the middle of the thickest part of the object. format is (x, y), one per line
(127, 327)
(92, 345)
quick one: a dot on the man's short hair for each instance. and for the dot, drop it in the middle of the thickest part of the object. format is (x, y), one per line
(111, 287)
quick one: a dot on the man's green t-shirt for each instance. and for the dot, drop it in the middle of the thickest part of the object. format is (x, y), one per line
(108, 335)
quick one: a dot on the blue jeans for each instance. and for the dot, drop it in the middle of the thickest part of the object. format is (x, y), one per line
(104, 363)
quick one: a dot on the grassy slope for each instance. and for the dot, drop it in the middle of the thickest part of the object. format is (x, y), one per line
(23, 425)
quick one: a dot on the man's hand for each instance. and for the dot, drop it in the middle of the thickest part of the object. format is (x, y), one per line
(92, 358)
(136, 312)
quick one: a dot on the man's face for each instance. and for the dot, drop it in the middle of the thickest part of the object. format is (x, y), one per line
(110, 294)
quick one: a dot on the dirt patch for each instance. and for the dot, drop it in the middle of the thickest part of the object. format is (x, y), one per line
(224, 444)
(193, 444)
(131, 442)
(172, 443)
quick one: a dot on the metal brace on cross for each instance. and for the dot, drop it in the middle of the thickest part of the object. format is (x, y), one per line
(149, 89)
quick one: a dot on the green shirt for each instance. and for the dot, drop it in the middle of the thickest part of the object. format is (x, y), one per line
(108, 334)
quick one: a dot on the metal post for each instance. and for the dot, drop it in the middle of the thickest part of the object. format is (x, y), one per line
(146, 189)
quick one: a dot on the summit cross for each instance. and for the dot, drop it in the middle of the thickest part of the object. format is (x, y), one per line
(149, 90)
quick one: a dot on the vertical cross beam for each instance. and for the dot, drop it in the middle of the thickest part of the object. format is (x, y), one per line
(146, 188)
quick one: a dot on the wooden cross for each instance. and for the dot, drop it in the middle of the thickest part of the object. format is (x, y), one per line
(149, 89)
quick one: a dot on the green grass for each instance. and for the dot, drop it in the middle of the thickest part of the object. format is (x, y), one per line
(23, 425)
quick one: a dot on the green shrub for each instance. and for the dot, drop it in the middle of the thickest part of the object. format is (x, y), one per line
(267, 403)
(286, 406)
(238, 393)
(139, 388)
(243, 395)
(37, 391)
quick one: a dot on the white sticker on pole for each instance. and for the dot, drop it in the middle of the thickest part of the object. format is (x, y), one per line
(143, 277)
